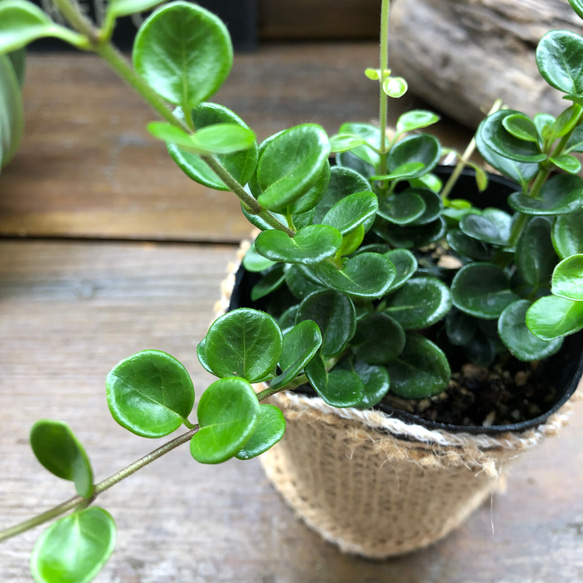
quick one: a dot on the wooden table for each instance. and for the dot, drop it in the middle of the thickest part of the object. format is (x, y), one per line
(108, 250)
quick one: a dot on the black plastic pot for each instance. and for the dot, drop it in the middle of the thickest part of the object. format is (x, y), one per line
(561, 371)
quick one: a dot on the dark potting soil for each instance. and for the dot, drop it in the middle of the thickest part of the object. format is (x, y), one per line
(479, 396)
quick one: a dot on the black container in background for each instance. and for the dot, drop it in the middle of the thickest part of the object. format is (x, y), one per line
(240, 16)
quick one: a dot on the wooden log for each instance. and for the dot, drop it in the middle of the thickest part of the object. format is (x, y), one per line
(462, 56)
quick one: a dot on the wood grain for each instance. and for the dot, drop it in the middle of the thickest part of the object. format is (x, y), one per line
(70, 310)
(319, 19)
(88, 167)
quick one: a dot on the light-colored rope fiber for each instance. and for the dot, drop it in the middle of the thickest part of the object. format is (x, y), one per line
(376, 485)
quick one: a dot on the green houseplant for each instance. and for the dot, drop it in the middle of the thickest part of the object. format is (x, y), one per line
(11, 106)
(372, 275)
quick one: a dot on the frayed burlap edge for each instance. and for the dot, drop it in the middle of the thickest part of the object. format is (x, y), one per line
(378, 486)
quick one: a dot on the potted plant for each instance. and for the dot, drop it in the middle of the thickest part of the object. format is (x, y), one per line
(420, 314)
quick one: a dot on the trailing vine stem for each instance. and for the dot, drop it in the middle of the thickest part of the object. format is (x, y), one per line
(383, 97)
(102, 47)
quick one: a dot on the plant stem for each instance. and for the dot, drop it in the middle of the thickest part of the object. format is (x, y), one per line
(78, 501)
(465, 157)
(383, 97)
(70, 11)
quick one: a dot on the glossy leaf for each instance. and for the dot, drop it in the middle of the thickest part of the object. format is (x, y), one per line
(119, 8)
(270, 282)
(366, 275)
(566, 121)
(351, 211)
(22, 22)
(403, 208)
(375, 380)
(416, 119)
(395, 87)
(405, 265)
(498, 139)
(535, 256)
(404, 172)
(482, 290)
(268, 431)
(11, 111)
(521, 342)
(567, 163)
(371, 134)
(309, 246)
(414, 236)
(378, 339)
(304, 205)
(254, 262)
(201, 355)
(420, 371)
(567, 279)
(291, 164)
(567, 234)
(551, 317)
(520, 172)
(150, 393)
(460, 328)
(490, 226)
(577, 6)
(559, 195)
(299, 285)
(300, 345)
(338, 388)
(468, 246)
(75, 548)
(521, 127)
(345, 142)
(245, 343)
(184, 53)
(335, 316)
(422, 148)
(432, 203)
(227, 413)
(61, 453)
(351, 241)
(420, 303)
(558, 56)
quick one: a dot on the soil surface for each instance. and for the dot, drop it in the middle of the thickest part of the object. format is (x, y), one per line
(499, 395)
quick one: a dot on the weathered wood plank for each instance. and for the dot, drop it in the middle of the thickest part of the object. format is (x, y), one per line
(462, 56)
(319, 19)
(88, 167)
(70, 311)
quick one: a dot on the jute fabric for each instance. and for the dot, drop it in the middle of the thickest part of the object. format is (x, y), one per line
(377, 486)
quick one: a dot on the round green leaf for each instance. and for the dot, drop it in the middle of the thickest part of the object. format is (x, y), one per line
(577, 6)
(150, 393)
(345, 142)
(535, 256)
(432, 203)
(61, 453)
(375, 380)
(419, 303)
(299, 285)
(403, 208)
(290, 165)
(309, 246)
(335, 316)
(415, 120)
(338, 388)
(22, 22)
(482, 290)
(352, 241)
(460, 328)
(303, 206)
(498, 139)
(567, 279)
(227, 415)
(489, 226)
(119, 8)
(271, 281)
(201, 355)
(422, 148)
(411, 236)
(405, 264)
(254, 262)
(184, 53)
(552, 317)
(75, 548)
(352, 211)
(395, 87)
(521, 127)
(559, 195)
(366, 275)
(468, 246)
(268, 431)
(378, 339)
(521, 342)
(567, 163)
(567, 234)
(420, 371)
(371, 135)
(245, 343)
(403, 172)
(300, 345)
(559, 55)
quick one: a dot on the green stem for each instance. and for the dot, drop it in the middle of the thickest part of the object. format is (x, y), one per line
(70, 11)
(383, 98)
(465, 158)
(78, 501)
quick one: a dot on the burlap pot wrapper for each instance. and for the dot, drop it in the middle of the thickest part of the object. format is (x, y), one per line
(375, 485)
